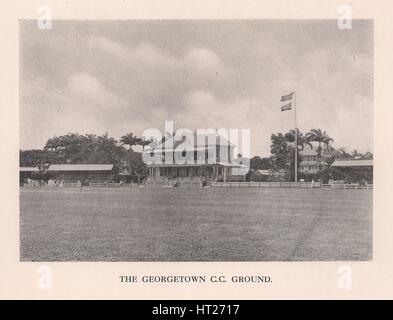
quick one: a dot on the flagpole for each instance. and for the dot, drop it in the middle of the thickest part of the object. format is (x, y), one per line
(294, 102)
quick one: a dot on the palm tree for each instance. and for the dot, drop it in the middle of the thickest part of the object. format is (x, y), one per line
(144, 143)
(302, 141)
(321, 137)
(342, 152)
(332, 151)
(367, 156)
(279, 150)
(356, 153)
(130, 140)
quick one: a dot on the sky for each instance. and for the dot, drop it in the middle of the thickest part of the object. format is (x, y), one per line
(129, 76)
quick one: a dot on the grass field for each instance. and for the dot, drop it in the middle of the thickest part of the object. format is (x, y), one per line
(173, 224)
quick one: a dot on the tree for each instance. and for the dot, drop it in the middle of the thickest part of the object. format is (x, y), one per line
(43, 167)
(71, 148)
(302, 141)
(89, 148)
(258, 163)
(321, 137)
(137, 165)
(32, 158)
(130, 140)
(283, 148)
(368, 156)
(279, 150)
(331, 173)
(342, 153)
(144, 143)
(356, 154)
(107, 151)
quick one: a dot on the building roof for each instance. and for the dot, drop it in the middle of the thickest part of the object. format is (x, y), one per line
(159, 148)
(28, 169)
(174, 165)
(264, 172)
(313, 162)
(81, 167)
(233, 165)
(352, 163)
(71, 167)
(201, 142)
(308, 151)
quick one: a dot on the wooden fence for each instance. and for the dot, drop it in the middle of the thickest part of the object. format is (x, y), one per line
(190, 184)
(70, 184)
(288, 185)
(112, 184)
(351, 186)
(267, 184)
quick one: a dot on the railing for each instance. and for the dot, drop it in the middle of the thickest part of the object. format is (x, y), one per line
(71, 184)
(198, 183)
(112, 184)
(174, 182)
(267, 184)
(188, 184)
(351, 186)
(159, 183)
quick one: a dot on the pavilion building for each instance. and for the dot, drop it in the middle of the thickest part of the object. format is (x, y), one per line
(84, 173)
(208, 157)
(309, 162)
(355, 170)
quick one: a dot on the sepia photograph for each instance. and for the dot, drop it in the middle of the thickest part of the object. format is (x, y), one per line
(196, 140)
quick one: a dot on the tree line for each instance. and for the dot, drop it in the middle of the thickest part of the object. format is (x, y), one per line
(75, 148)
(282, 150)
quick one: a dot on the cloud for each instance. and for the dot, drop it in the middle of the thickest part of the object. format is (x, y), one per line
(84, 84)
(203, 59)
(203, 110)
(131, 76)
(347, 129)
(83, 105)
(109, 46)
(154, 78)
(197, 60)
(142, 53)
(89, 94)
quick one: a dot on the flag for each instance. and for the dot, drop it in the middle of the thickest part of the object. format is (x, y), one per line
(287, 106)
(287, 97)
